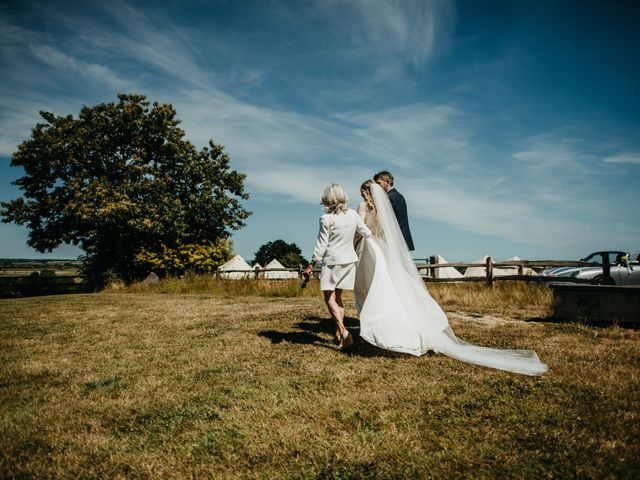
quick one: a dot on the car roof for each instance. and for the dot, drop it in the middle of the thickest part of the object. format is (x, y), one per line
(606, 251)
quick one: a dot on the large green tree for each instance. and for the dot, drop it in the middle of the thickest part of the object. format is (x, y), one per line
(289, 254)
(121, 182)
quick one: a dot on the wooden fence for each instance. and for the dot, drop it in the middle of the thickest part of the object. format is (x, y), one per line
(36, 284)
(31, 285)
(432, 266)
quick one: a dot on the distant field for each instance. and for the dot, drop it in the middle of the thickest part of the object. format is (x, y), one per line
(13, 272)
(221, 385)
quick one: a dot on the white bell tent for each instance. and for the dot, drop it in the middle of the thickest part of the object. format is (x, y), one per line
(446, 272)
(443, 272)
(477, 271)
(272, 271)
(497, 272)
(236, 263)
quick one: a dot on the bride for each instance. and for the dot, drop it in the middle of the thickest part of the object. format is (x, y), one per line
(396, 311)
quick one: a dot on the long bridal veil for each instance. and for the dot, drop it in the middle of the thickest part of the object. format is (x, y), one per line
(397, 312)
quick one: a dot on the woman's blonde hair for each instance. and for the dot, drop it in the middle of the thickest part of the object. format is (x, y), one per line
(365, 191)
(334, 199)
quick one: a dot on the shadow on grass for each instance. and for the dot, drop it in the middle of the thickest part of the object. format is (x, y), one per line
(302, 338)
(310, 329)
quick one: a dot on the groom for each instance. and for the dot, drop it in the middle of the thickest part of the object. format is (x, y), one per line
(385, 180)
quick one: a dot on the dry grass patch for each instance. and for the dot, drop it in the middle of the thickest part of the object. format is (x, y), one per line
(210, 285)
(513, 299)
(208, 386)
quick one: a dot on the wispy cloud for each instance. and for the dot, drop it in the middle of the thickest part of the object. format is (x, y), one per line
(410, 29)
(549, 152)
(19, 115)
(74, 66)
(631, 158)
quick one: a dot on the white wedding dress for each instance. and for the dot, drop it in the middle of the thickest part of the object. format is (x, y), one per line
(396, 310)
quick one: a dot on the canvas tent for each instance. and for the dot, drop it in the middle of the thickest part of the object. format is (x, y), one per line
(444, 272)
(477, 271)
(514, 270)
(272, 271)
(497, 272)
(236, 263)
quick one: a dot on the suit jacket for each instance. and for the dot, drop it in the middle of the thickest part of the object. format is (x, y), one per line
(400, 208)
(335, 238)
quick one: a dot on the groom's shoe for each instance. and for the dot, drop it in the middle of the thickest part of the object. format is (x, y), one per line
(347, 340)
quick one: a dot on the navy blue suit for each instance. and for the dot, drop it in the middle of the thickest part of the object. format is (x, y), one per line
(400, 209)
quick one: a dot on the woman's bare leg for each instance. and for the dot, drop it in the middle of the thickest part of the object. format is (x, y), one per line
(333, 299)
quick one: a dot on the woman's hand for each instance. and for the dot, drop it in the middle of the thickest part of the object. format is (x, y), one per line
(307, 271)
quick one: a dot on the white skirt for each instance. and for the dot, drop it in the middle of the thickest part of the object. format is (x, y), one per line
(338, 276)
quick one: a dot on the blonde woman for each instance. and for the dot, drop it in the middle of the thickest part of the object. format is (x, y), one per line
(334, 248)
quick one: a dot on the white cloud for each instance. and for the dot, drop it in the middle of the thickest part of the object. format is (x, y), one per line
(66, 64)
(19, 115)
(630, 158)
(410, 29)
(468, 210)
(554, 152)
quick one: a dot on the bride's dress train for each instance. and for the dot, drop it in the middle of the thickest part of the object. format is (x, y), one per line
(397, 312)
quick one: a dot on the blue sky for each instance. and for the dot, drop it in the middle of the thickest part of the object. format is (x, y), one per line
(512, 127)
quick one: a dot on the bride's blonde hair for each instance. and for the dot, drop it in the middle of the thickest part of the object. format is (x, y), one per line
(365, 191)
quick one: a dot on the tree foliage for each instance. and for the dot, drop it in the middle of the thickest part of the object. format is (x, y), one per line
(289, 255)
(121, 182)
(198, 258)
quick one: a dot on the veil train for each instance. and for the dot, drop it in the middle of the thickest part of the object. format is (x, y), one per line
(397, 312)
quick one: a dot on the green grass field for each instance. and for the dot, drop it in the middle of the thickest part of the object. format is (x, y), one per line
(223, 385)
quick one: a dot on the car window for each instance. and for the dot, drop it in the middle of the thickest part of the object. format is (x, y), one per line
(615, 257)
(594, 257)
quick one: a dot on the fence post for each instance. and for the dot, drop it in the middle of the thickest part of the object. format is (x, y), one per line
(489, 269)
(521, 269)
(433, 272)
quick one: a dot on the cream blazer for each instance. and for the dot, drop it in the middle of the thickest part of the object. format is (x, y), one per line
(335, 238)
